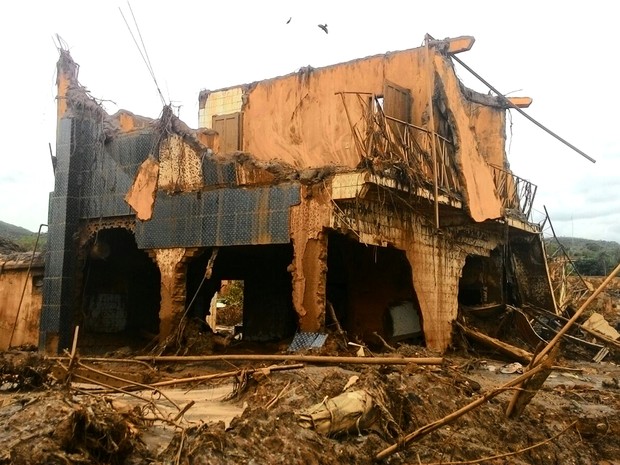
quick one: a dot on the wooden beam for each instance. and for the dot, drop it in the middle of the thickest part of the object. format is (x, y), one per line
(460, 44)
(521, 102)
(294, 358)
(511, 351)
(452, 45)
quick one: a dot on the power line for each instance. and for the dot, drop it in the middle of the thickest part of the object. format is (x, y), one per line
(143, 52)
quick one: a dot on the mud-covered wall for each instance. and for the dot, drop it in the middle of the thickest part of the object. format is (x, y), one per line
(490, 123)
(531, 272)
(301, 118)
(476, 176)
(172, 271)
(309, 267)
(22, 324)
(437, 261)
(436, 258)
(180, 166)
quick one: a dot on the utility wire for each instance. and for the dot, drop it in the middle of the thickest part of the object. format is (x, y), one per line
(513, 106)
(146, 53)
(143, 54)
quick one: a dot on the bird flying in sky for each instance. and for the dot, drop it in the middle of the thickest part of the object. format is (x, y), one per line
(289, 20)
(324, 27)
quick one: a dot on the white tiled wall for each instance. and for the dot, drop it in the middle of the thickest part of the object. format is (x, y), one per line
(221, 102)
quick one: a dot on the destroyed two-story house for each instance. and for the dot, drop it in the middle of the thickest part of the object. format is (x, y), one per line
(378, 188)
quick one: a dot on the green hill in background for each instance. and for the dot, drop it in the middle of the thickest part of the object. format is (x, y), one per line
(591, 258)
(21, 236)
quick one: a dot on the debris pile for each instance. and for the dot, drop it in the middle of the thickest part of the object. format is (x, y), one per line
(336, 401)
(191, 411)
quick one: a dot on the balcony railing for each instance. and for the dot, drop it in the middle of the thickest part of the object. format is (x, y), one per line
(404, 152)
(516, 193)
(399, 149)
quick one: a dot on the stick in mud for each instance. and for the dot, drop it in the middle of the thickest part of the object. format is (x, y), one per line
(511, 410)
(429, 428)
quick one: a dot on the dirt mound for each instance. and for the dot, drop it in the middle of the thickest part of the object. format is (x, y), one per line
(23, 371)
(409, 398)
(55, 427)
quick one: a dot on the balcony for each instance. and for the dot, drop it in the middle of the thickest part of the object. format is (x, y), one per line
(401, 151)
(516, 193)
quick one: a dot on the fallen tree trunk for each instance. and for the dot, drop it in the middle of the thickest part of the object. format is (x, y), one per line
(295, 358)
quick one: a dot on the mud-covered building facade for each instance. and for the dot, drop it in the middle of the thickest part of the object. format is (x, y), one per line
(370, 185)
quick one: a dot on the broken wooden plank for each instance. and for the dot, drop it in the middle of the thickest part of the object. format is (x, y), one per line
(513, 352)
(577, 314)
(521, 102)
(295, 358)
(599, 324)
(566, 336)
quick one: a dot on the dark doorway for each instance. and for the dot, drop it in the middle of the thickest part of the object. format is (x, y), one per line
(371, 287)
(481, 280)
(120, 293)
(268, 312)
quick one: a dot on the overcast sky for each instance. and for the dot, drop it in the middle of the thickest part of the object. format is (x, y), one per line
(562, 54)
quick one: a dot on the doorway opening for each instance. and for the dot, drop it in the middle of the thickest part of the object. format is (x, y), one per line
(120, 293)
(371, 290)
(255, 279)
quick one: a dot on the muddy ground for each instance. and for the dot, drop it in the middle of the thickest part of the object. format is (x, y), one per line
(251, 418)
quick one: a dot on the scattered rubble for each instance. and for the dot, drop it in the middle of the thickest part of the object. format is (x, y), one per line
(195, 412)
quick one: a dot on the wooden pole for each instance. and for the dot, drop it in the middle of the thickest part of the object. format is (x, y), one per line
(294, 358)
(431, 123)
(543, 353)
(228, 374)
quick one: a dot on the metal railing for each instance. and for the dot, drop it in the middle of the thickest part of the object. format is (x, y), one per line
(517, 194)
(398, 148)
(403, 150)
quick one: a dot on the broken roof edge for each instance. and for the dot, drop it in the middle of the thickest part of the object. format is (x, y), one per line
(74, 99)
(79, 101)
(204, 93)
(21, 260)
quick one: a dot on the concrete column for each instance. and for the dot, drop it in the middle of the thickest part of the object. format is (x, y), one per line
(172, 270)
(309, 267)
(436, 267)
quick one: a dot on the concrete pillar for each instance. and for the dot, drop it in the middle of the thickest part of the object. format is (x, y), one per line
(309, 267)
(172, 269)
(436, 266)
